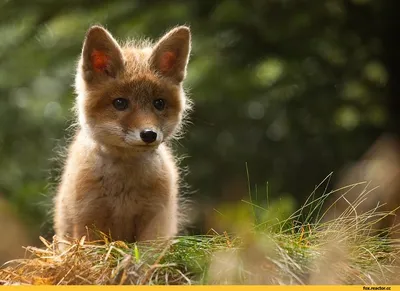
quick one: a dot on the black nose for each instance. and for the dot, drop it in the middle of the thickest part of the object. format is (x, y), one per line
(148, 136)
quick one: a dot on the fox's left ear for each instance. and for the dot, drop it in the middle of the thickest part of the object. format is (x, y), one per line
(171, 54)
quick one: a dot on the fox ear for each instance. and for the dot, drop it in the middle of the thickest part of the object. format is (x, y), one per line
(101, 55)
(171, 54)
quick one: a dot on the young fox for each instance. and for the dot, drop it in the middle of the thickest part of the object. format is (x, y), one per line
(120, 176)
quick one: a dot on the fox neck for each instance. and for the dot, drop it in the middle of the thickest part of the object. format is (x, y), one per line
(126, 153)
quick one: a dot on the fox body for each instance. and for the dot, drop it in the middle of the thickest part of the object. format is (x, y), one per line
(120, 176)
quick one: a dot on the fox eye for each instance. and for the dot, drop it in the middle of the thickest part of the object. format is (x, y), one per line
(120, 104)
(159, 104)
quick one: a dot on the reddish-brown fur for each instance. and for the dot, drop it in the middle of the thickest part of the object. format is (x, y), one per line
(112, 180)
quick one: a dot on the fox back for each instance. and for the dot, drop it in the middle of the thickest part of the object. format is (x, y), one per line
(120, 176)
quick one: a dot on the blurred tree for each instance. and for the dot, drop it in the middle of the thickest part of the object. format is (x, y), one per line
(292, 88)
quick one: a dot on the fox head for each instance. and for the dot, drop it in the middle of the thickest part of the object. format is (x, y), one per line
(131, 96)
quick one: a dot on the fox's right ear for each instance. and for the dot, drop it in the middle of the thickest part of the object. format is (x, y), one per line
(101, 56)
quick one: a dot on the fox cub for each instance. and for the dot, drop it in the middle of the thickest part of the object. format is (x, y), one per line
(120, 176)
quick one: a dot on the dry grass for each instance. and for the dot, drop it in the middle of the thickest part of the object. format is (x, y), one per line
(105, 262)
(345, 250)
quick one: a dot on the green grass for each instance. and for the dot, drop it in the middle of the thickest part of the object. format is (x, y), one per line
(304, 248)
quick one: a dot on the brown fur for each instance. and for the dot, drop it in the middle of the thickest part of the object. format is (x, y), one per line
(112, 180)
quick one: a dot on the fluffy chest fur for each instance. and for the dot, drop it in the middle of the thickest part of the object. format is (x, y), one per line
(134, 184)
(118, 195)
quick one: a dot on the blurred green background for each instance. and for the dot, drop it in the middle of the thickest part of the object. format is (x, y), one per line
(295, 89)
